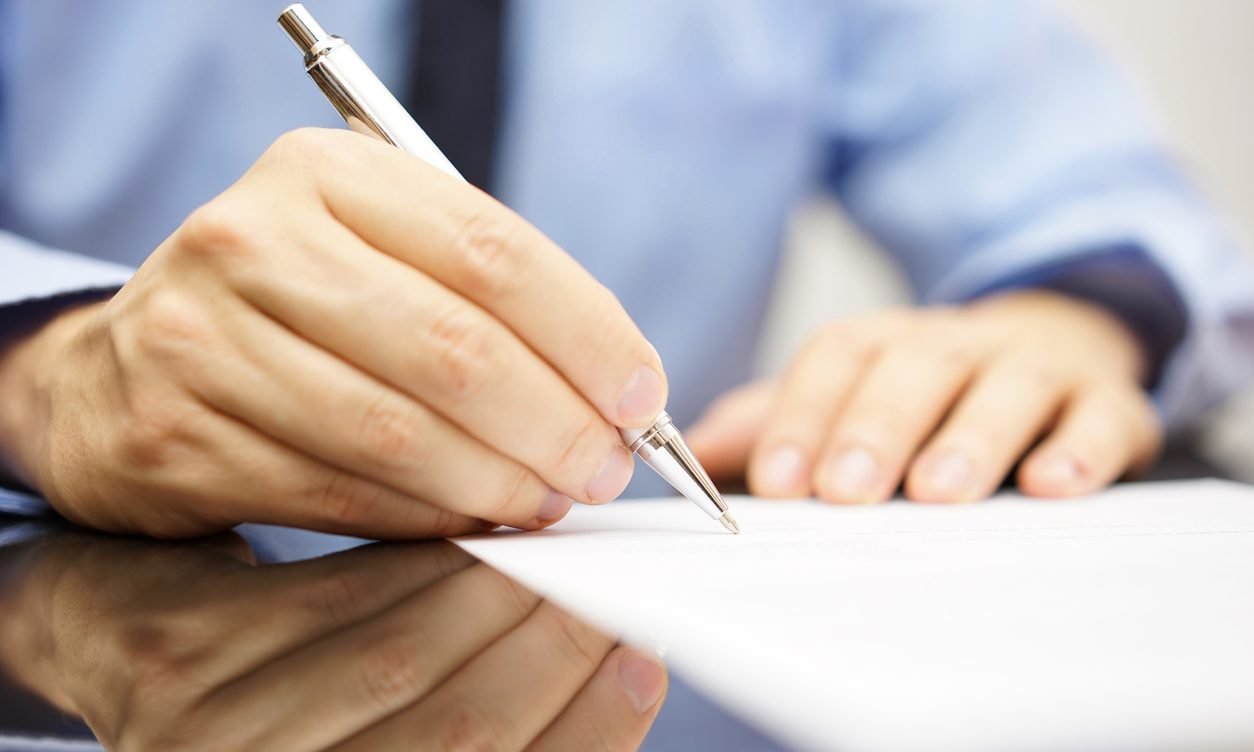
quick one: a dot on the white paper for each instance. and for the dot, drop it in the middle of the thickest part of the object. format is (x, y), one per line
(1119, 621)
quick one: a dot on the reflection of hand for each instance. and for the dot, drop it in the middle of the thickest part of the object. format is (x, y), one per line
(164, 647)
(384, 349)
(947, 400)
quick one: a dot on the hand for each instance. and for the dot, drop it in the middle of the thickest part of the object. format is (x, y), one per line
(947, 400)
(345, 340)
(191, 646)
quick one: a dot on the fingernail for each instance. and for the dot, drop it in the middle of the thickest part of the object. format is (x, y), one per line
(1060, 470)
(554, 508)
(784, 470)
(643, 678)
(950, 475)
(853, 476)
(644, 397)
(613, 476)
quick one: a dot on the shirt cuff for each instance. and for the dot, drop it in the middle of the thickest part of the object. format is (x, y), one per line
(1126, 282)
(22, 504)
(1162, 262)
(33, 272)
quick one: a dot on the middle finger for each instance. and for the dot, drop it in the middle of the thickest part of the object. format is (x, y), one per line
(902, 396)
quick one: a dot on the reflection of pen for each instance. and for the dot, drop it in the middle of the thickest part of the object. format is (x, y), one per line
(369, 108)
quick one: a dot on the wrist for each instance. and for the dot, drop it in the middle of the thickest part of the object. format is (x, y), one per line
(31, 354)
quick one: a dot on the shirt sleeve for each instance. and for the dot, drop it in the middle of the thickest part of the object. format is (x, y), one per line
(989, 145)
(32, 272)
(21, 504)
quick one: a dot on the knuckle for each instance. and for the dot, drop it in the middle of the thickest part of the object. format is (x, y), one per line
(447, 559)
(582, 447)
(445, 522)
(1038, 374)
(161, 666)
(219, 231)
(396, 668)
(518, 495)
(940, 348)
(150, 433)
(339, 596)
(306, 145)
(517, 601)
(575, 641)
(463, 349)
(469, 727)
(390, 433)
(346, 500)
(840, 337)
(169, 325)
(880, 423)
(494, 256)
(608, 332)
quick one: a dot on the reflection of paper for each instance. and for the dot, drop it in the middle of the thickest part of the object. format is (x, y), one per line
(1120, 621)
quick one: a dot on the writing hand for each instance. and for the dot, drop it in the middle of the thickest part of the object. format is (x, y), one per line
(346, 340)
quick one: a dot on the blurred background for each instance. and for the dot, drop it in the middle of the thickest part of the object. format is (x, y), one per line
(1193, 64)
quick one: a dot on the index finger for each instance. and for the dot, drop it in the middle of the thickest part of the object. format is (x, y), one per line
(474, 245)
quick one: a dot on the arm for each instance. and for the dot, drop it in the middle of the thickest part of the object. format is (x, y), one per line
(38, 286)
(32, 272)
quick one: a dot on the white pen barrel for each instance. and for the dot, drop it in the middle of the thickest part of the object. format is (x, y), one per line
(356, 92)
(381, 114)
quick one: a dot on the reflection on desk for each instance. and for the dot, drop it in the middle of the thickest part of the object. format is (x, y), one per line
(171, 645)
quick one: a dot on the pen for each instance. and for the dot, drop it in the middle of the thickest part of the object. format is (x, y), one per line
(369, 108)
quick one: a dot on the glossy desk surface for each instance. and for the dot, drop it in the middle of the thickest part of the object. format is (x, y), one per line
(84, 617)
(123, 627)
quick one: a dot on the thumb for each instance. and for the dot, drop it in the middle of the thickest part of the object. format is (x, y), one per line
(724, 436)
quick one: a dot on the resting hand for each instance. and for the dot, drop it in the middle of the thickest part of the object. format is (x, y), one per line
(946, 401)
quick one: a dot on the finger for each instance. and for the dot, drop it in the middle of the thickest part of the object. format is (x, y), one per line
(222, 472)
(1105, 431)
(813, 390)
(998, 418)
(318, 596)
(370, 430)
(506, 696)
(490, 255)
(356, 678)
(724, 436)
(286, 606)
(897, 403)
(615, 709)
(445, 352)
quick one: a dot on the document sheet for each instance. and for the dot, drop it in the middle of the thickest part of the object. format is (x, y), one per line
(1118, 621)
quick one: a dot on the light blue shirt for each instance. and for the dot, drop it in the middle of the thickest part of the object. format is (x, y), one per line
(663, 143)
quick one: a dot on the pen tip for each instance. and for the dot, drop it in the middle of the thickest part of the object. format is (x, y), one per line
(729, 522)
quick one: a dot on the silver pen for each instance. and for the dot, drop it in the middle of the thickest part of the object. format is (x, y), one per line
(369, 108)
